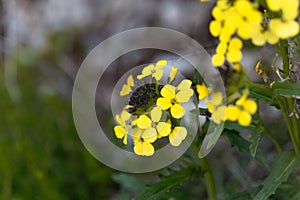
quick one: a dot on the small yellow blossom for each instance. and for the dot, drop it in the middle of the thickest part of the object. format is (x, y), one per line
(173, 73)
(177, 135)
(142, 145)
(216, 108)
(154, 126)
(121, 130)
(126, 89)
(172, 97)
(242, 110)
(202, 91)
(154, 71)
(218, 60)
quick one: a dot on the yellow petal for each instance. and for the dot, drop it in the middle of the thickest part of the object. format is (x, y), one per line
(164, 103)
(221, 48)
(144, 122)
(235, 44)
(218, 60)
(184, 84)
(173, 73)
(290, 14)
(119, 131)
(149, 135)
(177, 135)
(168, 91)
(234, 55)
(217, 98)
(130, 81)
(274, 5)
(163, 129)
(272, 38)
(202, 91)
(143, 148)
(184, 95)
(177, 111)
(156, 113)
(125, 139)
(146, 71)
(259, 39)
(210, 107)
(250, 105)
(136, 133)
(160, 64)
(120, 121)
(219, 115)
(158, 74)
(232, 113)
(245, 30)
(125, 116)
(215, 28)
(243, 98)
(217, 13)
(126, 89)
(244, 118)
(243, 7)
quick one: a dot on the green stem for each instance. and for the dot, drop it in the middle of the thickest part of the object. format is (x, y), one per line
(283, 49)
(295, 121)
(281, 103)
(273, 140)
(208, 175)
(269, 135)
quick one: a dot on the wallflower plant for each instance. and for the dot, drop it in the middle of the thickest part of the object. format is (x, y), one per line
(155, 110)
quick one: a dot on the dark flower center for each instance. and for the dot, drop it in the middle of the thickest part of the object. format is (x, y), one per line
(144, 98)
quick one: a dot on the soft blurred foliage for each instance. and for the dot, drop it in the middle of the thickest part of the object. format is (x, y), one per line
(41, 154)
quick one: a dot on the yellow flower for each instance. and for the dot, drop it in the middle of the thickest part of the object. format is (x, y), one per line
(216, 109)
(173, 73)
(172, 97)
(121, 130)
(126, 89)
(154, 126)
(202, 91)
(177, 135)
(284, 29)
(155, 71)
(218, 60)
(215, 28)
(287, 26)
(242, 110)
(142, 145)
(274, 5)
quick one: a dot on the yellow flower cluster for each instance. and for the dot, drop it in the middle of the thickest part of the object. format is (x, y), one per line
(154, 110)
(241, 111)
(279, 28)
(242, 18)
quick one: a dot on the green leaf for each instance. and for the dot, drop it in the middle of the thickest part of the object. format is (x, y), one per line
(243, 146)
(175, 178)
(282, 167)
(286, 88)
(215, 135)
(264, 93)
(237, 127)
(210, 139)
(255, 136)
(254, 140)
(129, 181)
